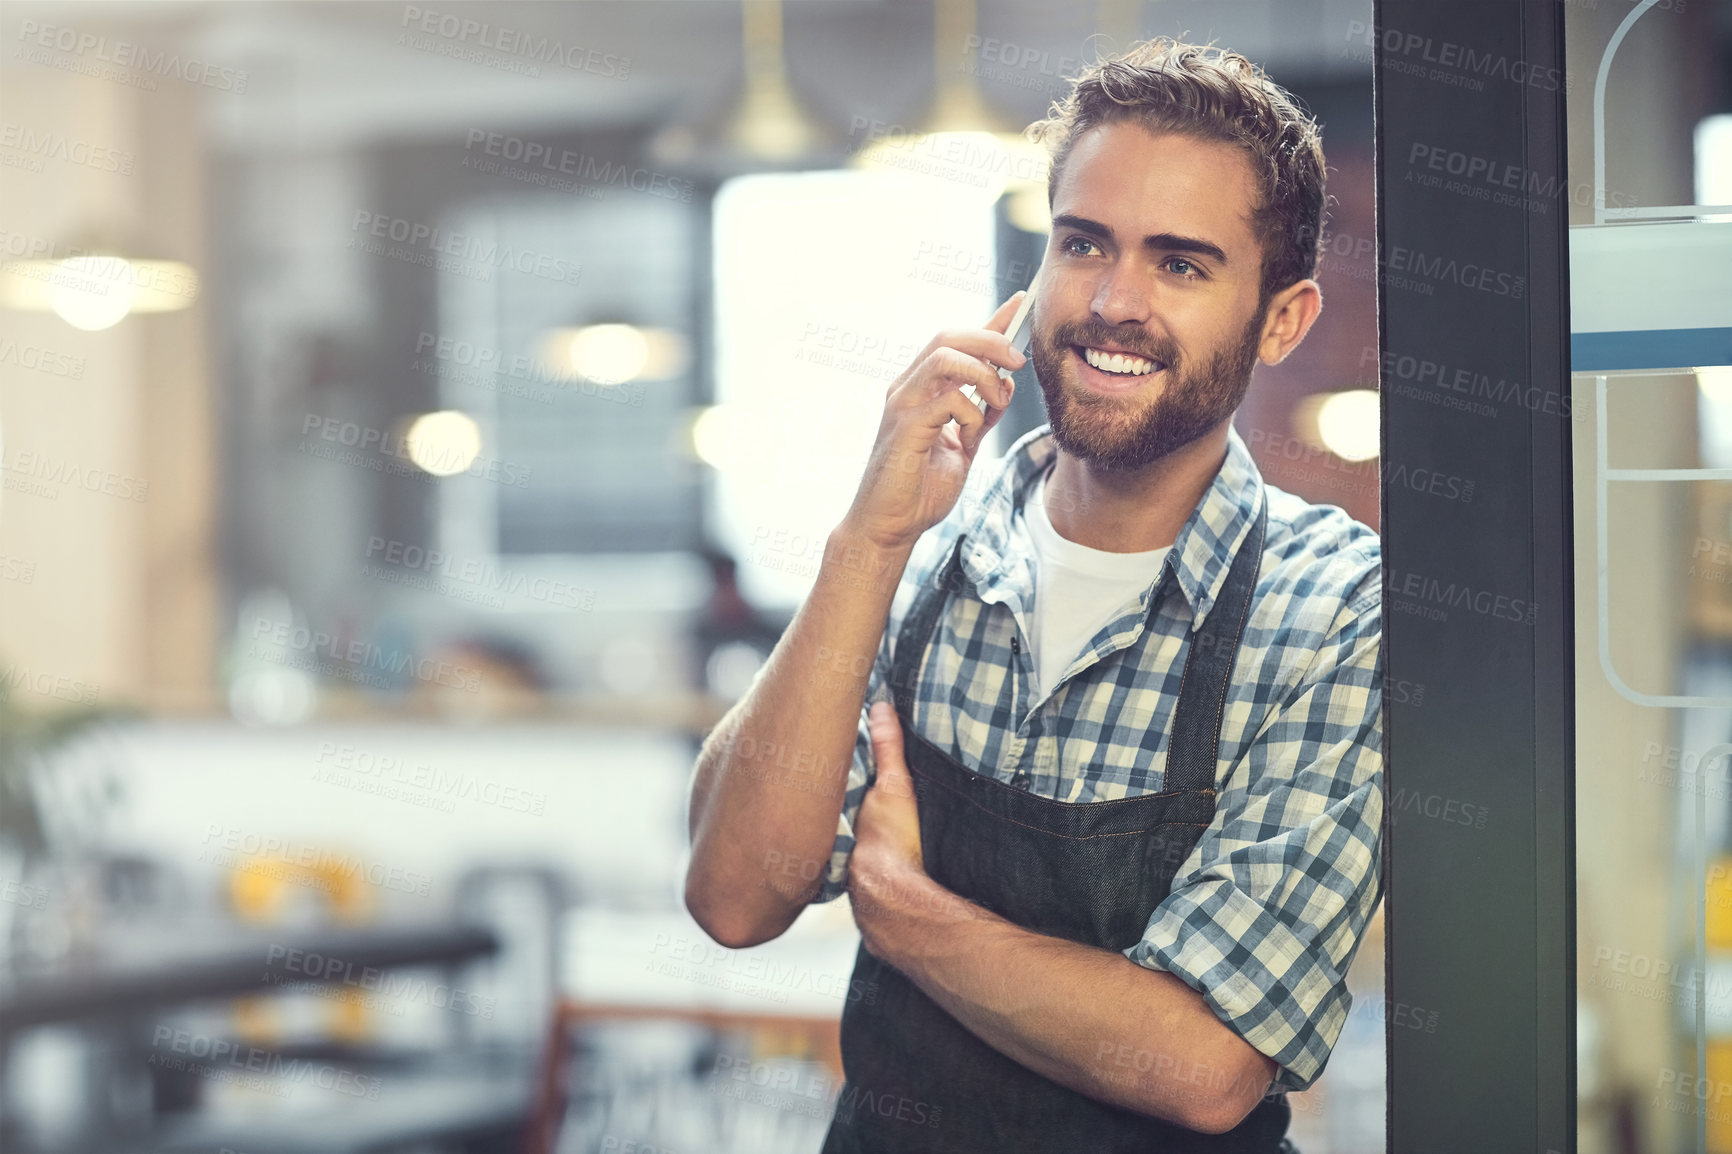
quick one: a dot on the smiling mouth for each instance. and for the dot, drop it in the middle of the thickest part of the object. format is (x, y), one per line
(1119, 364)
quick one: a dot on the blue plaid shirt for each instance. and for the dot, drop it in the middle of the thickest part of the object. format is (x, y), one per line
(1265, 915)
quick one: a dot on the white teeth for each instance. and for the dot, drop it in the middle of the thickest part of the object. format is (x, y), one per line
(1118, 362)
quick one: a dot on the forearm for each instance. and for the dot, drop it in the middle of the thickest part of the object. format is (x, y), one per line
(1087, 1018)
(772, 774)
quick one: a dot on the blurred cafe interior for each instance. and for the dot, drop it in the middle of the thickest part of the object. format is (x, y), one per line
(415, 437)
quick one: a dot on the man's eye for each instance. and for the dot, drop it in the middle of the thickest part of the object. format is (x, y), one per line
(1071, 243)
(1183, 267)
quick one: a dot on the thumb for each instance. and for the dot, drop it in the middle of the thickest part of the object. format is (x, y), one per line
(886, 729)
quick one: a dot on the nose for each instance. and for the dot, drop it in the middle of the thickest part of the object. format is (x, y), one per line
(1121, 297)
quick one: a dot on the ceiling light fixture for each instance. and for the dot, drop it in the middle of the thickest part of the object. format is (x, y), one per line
(96, 283)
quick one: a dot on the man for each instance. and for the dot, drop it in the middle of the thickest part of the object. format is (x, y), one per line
(1121, 712)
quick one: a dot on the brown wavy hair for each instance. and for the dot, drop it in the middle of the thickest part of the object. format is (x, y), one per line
(1209, 93)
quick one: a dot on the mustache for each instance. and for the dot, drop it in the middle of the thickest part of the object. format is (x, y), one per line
(1097, 333)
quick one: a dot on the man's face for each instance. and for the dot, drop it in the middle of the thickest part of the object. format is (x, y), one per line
(1151, 255)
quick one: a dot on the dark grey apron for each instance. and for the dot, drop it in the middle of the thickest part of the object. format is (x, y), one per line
(916, 1078)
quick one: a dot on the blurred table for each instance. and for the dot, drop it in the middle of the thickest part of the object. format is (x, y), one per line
(145, 972)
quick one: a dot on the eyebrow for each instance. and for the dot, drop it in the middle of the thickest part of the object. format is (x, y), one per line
(1157, 242)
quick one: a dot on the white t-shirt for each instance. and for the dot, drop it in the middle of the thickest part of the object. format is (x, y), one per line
(1076, 591)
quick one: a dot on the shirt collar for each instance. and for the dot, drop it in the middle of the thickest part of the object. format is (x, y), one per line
(1201, 554)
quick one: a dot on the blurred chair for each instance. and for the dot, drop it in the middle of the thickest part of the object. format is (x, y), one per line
(519, 984)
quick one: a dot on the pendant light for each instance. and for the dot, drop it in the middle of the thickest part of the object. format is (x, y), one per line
(97, 281)
(962, 140)
(768, 127)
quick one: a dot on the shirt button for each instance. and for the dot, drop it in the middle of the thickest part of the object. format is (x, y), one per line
(1020, 781)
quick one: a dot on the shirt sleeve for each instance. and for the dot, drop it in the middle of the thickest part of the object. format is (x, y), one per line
(1264, 917)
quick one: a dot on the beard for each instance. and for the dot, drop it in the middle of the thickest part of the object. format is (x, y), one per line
(1130, 431)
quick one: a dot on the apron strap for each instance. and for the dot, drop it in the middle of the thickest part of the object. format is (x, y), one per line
(1195, 746)
(916, 631)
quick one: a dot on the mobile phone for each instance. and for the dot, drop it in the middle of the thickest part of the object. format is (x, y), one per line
(1021, 327)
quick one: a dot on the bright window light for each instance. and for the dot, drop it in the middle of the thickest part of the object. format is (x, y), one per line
(1714, 416)
(827, 286)
(612, 354)
(715, 439)
(443, 443)
(1343, 423)
(1348, 424)
(1714, 159)
(91, 292)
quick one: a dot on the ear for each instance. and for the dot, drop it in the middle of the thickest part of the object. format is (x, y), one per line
(1289, 317)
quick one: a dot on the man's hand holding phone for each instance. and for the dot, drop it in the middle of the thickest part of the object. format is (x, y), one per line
(920, 460)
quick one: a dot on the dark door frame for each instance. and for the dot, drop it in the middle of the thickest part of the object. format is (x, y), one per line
(1473, 297)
